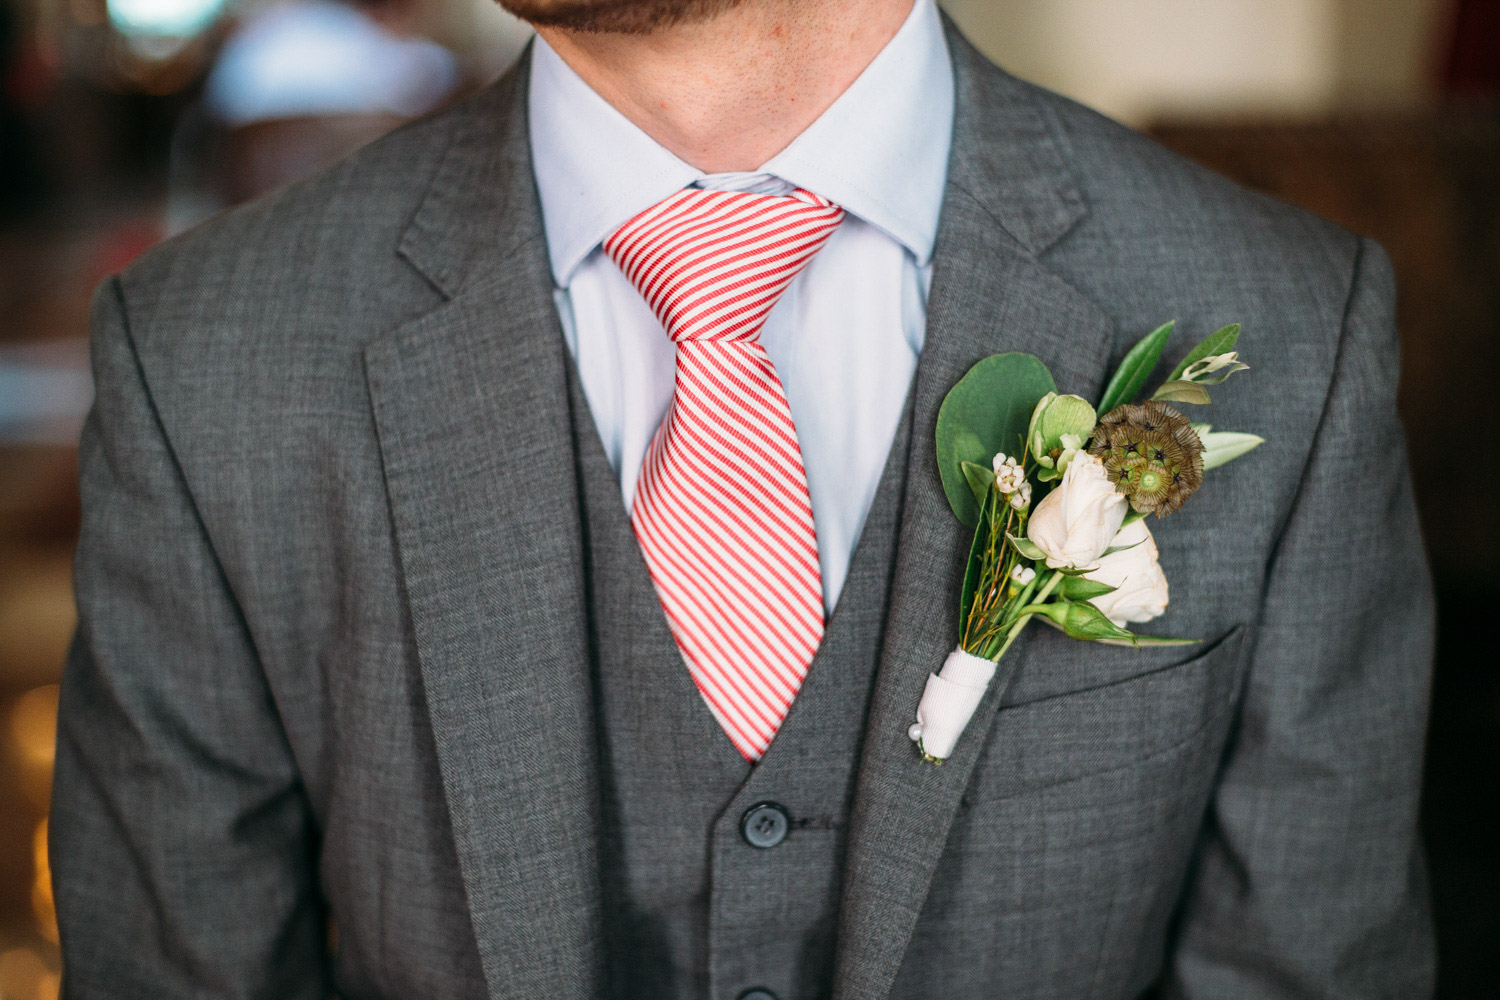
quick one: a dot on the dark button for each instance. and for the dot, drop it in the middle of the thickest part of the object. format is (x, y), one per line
(757, 994)
(764, 825)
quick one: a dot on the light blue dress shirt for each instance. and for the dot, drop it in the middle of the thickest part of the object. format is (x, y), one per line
(845, 336)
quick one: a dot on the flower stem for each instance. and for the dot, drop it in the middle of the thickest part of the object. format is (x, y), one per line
(1041, 598)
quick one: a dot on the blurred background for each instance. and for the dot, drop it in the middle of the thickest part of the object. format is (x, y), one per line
(124, 121)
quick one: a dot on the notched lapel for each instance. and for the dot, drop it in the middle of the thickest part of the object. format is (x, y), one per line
(470, 405)
(1010, 197)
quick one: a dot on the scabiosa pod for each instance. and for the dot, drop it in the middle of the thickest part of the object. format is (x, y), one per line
(1152, 455)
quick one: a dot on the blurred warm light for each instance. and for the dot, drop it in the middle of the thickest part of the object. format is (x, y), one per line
(163, 18)
(41, 615)
(33, 724)
(42, 905)
(24, 976)
(33, 728)
(37, 613)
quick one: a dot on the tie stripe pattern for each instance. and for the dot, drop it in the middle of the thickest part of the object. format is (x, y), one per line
(721, 507)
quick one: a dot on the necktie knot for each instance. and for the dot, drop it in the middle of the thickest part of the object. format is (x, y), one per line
(712, 264)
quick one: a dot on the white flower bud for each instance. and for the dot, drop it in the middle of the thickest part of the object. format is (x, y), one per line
(1009, 475)
(1199, 371)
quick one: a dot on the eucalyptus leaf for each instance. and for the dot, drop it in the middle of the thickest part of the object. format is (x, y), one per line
(980, 480)
(1179, 391)
(1136, 368)
(1225, 446)
(1027, 548)
(988, 411)
(1221, 341)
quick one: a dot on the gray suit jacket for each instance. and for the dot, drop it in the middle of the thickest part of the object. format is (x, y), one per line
(332, 658)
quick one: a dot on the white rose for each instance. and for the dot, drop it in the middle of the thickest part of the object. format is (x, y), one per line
(1079, 518)
(1141, 586)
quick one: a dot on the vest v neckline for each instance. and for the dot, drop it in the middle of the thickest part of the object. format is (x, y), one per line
(592, 462)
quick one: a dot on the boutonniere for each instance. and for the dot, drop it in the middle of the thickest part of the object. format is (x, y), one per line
(1057, 492)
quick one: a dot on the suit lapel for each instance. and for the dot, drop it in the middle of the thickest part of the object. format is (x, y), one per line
(470, 404)
(1010, 196)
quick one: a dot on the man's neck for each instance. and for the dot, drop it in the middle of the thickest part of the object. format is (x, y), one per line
(730, 93)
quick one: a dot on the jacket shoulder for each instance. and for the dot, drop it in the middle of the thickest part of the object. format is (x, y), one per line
(317, 249)
(1162, 237)
(1156, 237)
(1136, 187)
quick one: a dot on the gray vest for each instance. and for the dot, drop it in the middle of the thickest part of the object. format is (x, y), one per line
(694, 911)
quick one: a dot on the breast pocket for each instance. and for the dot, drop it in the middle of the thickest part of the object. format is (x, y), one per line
(1043, 736)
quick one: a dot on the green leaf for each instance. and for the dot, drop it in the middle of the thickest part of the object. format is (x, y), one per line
(1148, 641)
(980, 480)
(1179, 391)
(1120, 548)
(988, 411)
(1027, 548)
(1077, 588)
(1136, 368)
(1130, 638)
(1219, 342)
(974, 568)
(1222, 375)
(1225, 446)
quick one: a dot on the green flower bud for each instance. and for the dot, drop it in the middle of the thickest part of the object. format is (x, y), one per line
(1059, 426)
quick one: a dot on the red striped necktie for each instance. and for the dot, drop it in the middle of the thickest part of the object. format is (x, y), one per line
(721, 506)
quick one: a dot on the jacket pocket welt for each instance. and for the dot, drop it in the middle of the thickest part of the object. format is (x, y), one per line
(1112, 725)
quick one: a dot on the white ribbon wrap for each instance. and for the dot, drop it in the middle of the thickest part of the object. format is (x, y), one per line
(949, 702)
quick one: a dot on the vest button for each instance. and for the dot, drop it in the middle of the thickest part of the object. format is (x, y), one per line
(764, 825)
(757, 994)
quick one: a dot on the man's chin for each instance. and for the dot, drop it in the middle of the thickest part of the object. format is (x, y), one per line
(637, 17)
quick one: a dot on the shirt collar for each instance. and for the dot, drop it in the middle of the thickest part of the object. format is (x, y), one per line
(880, 150)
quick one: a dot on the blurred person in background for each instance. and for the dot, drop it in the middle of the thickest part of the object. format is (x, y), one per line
(297, 85)
(373, 690)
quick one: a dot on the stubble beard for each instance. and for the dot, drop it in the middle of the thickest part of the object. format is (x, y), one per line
(631, 17)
